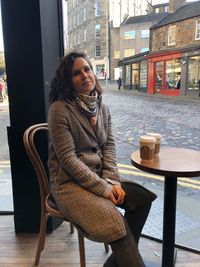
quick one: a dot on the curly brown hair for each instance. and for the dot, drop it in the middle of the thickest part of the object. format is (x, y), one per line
(61, 85)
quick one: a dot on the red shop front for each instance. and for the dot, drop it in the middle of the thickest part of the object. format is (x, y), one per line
(164, 73)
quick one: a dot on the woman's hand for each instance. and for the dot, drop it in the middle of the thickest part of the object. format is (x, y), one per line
(117, 195)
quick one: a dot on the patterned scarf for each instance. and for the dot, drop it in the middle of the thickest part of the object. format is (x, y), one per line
(89, 105)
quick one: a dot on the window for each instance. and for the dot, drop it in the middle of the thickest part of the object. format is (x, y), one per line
(78, 38)
(84, 35)
(145, 33)
(194, 73)
(173, 74)
(116, 54)
(97, 30)
(143, 75)
(197, 31)
(172, 35)
(129, 35)
(84, 14)
(78, 18)
(129, 52)
(97, 51)
(144, 49)
(158, 77)
(74, 20)
(97, 8)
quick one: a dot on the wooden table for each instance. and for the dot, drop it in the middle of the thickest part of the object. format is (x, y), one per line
(171, 163)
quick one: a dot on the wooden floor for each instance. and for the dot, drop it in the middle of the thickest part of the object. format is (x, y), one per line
(61, 249)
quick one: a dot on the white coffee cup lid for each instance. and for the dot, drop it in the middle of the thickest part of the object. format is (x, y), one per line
(156, 135)
(147, 139)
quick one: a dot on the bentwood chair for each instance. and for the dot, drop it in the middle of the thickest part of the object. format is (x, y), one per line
(48, 204)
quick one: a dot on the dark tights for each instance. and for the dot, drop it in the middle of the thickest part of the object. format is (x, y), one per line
(137, 204)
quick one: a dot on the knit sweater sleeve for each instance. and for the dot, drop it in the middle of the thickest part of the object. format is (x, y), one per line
(63, 144)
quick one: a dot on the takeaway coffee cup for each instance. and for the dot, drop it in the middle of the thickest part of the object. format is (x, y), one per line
(147, 147)
(158, 140)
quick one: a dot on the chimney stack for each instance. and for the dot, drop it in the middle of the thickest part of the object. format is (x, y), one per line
(175, 4)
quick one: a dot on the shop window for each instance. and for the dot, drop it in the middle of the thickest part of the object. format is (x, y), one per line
(98, 51)
(158, 77)
(173, 74)
(100, 71)
(97, 31)
(129, 35)
(197, 31)
(128, 75)
(143, 75)
(145, 34)
(172, 35)
(116, 54)
(135, 76)
(129, 52)
(194, 73)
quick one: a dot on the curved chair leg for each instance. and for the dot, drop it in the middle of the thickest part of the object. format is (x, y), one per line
(106, 247)
(41, 240)
(81, 250)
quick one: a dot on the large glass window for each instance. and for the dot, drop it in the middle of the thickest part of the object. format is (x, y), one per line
(135, 76)
(172, 35)
(173, 74)
(128, 75)
(129, 35)
(129, 52)
(143, 75)
(194, 73)
(116, 54)
(197, 31)
(145, 33)
(158, 76)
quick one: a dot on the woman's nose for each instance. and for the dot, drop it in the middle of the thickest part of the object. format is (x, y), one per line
(83, 75)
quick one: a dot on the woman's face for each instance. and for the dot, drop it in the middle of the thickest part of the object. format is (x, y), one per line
(83, 79)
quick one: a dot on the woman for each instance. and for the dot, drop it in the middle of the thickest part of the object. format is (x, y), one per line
(82, 162)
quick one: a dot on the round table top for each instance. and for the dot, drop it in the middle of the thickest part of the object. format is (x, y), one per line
(172, 161)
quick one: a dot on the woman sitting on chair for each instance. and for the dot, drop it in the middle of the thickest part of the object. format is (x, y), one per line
(82, 162)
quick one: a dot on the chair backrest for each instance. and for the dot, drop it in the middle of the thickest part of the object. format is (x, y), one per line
(33, 154)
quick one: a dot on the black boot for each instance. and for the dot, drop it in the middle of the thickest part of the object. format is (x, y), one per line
(125, 251)
(110, 262)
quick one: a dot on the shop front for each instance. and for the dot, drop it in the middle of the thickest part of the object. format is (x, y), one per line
(135, 73)
(164, 74)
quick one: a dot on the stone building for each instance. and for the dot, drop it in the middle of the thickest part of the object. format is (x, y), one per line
(174, 58)
(88, 31)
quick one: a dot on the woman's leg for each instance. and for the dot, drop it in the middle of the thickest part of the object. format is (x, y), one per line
(125, 252)
(137, 204)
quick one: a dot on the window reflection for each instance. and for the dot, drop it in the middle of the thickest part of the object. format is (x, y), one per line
(194, 73)
(173, 74)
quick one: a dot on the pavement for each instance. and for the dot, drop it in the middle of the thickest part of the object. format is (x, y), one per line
(133, 114)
